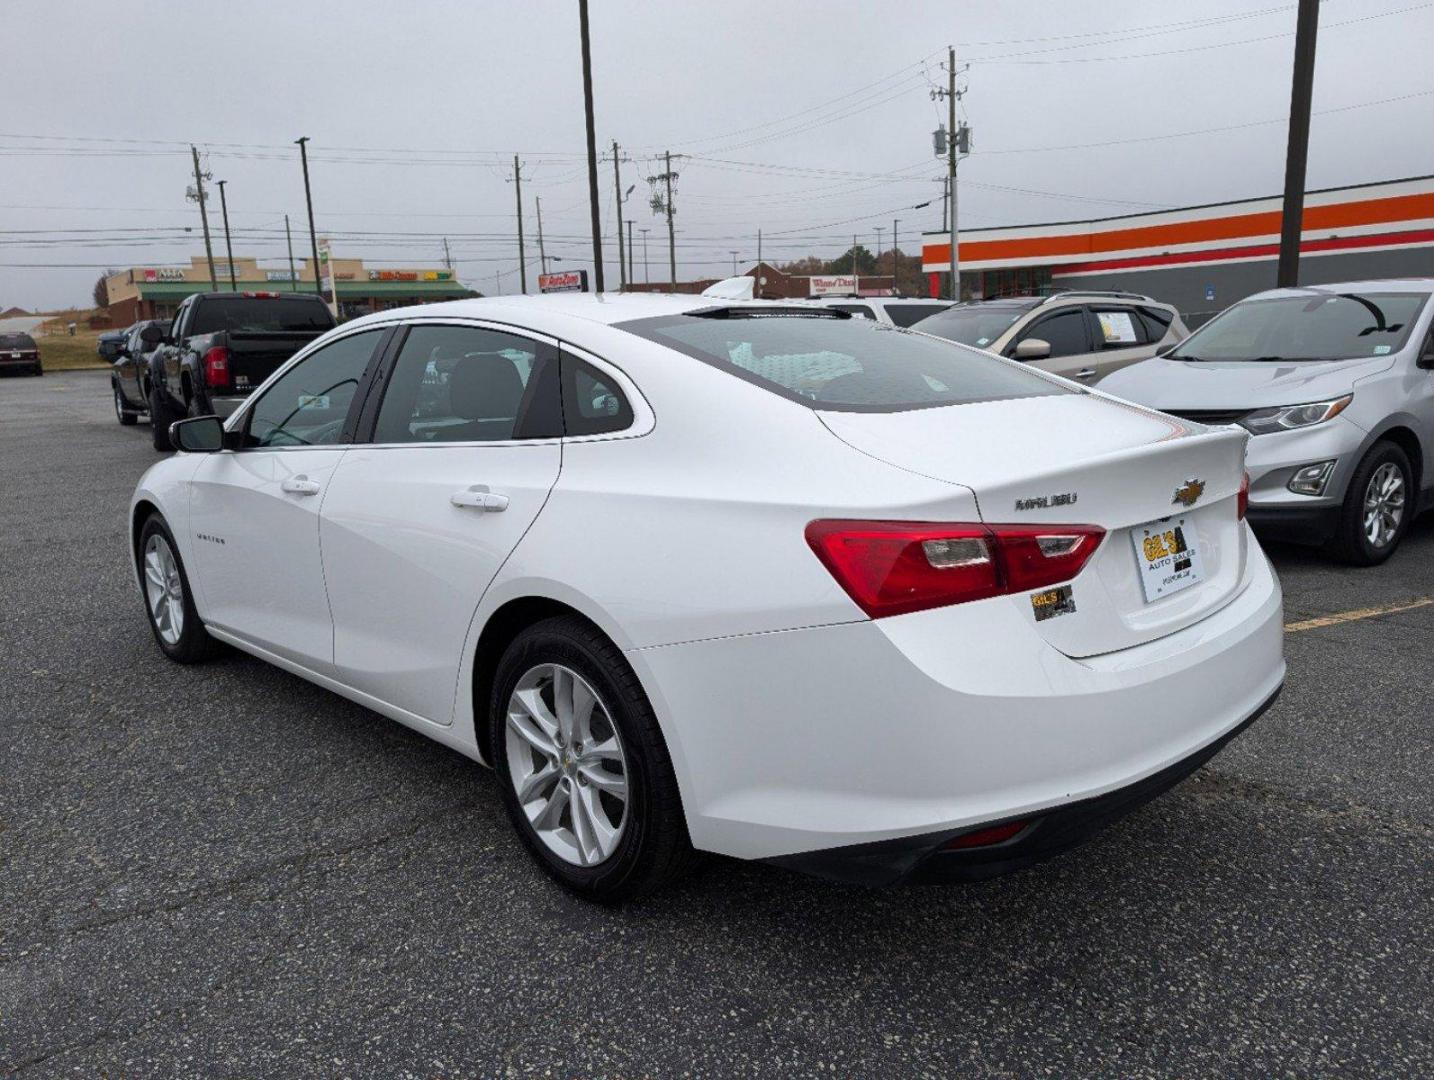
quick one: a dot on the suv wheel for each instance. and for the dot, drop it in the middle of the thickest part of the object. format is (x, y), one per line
(123, 413)
(1377, 507)
(160, 417)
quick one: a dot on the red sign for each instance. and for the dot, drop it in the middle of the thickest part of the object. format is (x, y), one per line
(564, 281)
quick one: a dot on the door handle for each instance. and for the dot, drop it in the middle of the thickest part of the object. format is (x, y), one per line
(1085, 373)
(478, 497)
(300, 485)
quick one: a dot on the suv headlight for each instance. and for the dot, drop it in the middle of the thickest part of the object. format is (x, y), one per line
(1288, 417)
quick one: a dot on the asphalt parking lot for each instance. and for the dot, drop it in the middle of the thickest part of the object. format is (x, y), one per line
(225, 871)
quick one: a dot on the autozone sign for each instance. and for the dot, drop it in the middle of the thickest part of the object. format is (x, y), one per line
(842, 285)
(564, 281)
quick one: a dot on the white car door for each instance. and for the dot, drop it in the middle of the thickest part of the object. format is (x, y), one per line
(255, 510)
(419, 516)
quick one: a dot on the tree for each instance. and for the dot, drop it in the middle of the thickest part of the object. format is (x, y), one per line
(812, 264)
(101, 292)
(865, 262)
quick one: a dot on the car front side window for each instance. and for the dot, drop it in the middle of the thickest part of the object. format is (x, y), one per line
(1065, 331)
(308, 404)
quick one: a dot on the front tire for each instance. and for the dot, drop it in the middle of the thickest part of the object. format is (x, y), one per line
(584, 771)
(161, 415)
(168, 599)
(1377, 507)
(123, 413)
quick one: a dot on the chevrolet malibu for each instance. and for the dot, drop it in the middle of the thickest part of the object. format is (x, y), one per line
(773, 582)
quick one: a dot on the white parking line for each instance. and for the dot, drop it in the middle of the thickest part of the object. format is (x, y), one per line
(1355, 616)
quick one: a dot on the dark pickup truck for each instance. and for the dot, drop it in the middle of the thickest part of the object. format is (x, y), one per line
(221, 347)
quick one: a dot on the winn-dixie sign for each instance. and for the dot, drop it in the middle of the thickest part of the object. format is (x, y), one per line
(567, 281)
(844, 285)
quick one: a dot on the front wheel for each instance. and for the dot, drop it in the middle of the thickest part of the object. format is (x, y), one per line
(123, 413)
(585, 773)
(1377, 507)
(168, 600)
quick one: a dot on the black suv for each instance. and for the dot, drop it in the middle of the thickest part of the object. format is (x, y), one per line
(19, 352)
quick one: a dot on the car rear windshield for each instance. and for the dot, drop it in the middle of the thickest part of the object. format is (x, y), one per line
(261, 314)
(842, 363)
(16, 341)
(977, 325)
(911, 314)
(1317, 325)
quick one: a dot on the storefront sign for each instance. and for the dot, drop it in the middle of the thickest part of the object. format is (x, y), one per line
(164, 273)
(564, 281)
(327, 287)
(393, 275)
(280, 275)
(842, 285)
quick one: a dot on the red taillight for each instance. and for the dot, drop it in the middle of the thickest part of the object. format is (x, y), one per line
(1242, 503)
(216, 366)
(997, 834)
(897, 567)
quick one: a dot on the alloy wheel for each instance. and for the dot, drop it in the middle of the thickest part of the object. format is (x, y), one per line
(566, 764)
(119, 404)
(1384, 505)
(164, 589)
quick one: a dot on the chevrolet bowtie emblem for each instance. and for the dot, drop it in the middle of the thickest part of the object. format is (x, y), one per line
(1187, 493)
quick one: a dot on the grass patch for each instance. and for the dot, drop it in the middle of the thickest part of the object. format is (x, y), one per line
(61, 352)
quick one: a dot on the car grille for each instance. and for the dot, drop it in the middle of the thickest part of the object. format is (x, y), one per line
(1210, 416)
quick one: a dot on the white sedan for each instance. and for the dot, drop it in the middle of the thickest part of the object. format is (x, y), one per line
(698, 575)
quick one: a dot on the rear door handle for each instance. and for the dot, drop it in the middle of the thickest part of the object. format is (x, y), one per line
(478, 497)
(1085, 373)
(300, 485)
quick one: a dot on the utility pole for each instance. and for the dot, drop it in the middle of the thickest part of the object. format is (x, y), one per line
(204, 218)
(855, 277)
(646, 270)
(879, 231)
(630, 278)
(895, 285)
(661, 205)
(592, 146)
(957, 143)
(289, 239)
(228, 247)
(617, 193)
(309, 199)
(518, 193)
(542, 253)
(734, 262)
(447, 255)
(1297, 152)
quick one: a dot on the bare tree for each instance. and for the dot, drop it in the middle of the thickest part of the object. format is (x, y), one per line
(101, 292)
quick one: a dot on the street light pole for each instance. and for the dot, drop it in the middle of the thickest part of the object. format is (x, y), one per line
(228, 247)
(646, 269)
(309, 200)
(289, 239)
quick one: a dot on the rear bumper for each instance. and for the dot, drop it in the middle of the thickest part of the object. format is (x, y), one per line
(923, 860)
(941, 722)
(25, 362)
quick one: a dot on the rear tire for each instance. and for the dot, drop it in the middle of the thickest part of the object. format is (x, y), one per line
(597, 857)
(1377, 507)
(160, 417)
(168, 599)
(123, 413)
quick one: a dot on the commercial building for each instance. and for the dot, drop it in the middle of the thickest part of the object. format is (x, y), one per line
(773, 284)
(154, 292)
(1201, 258)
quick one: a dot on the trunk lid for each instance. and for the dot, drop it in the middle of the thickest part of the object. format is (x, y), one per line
(1083, 459)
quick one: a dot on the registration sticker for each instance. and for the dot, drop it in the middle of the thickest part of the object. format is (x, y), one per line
(1168, 555)
(1053, 602)
(313, 401)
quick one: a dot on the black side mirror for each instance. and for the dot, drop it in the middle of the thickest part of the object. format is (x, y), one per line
(152, 336)
(199, 435)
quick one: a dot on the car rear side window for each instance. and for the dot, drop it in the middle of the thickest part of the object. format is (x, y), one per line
(830, 362)
(466, 384)
(593, 404)
(1118, 328)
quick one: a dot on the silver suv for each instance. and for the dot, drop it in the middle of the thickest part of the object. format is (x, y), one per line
(1081, 335)
(1335, 385)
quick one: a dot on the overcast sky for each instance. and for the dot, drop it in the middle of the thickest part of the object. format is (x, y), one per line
(810, 121)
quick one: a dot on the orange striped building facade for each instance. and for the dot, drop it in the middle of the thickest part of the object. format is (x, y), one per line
(1203, 258)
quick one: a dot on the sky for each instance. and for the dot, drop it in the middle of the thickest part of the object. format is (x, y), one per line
(809, 121)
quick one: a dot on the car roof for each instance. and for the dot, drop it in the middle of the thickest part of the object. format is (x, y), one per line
(1393, 285)
(535, 311)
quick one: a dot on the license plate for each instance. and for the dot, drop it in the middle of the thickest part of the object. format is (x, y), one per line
(1168, 555)
(14, 356)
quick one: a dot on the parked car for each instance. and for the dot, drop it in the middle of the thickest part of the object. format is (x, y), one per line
(221, 347)
(129, 374)
(109, 343)
(752, 578)
(891, 310)
(18, 352)
(1080, 335)
(1336, 384)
